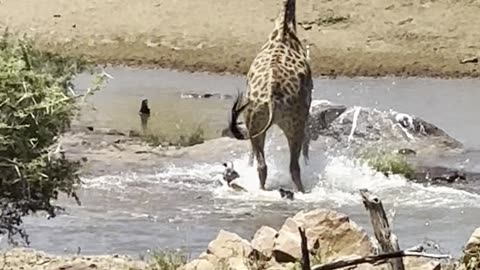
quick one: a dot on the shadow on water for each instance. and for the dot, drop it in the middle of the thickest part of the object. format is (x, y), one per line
(182, 206)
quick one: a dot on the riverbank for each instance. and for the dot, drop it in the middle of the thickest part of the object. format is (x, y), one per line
(330, 236)
(350, 38)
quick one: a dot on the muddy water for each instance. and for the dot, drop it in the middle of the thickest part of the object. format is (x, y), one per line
(180, 205)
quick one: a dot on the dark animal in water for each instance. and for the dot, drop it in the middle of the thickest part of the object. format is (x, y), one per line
(287, 194)
(144, 114)
(229, 174)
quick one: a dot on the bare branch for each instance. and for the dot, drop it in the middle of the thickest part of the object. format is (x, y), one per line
(377, 259)
(305, 256)
(381, 228)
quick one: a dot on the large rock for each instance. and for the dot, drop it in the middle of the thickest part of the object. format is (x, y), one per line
(200, 264)
(368, 126)
(264, 240)
(471, 257)
(228, 245)
(474, 240)
(330, 235)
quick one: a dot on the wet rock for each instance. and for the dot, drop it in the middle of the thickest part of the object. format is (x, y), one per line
(363, 127)
(264, 240)
(439, 174)
(322, 114)
(228, 245)
(205, 96)
(330, 234)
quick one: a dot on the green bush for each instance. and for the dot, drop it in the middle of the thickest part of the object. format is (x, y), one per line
(388, 163)
(167, 260)
(37, 104)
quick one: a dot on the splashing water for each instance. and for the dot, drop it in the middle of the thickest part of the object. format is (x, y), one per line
(335, 180)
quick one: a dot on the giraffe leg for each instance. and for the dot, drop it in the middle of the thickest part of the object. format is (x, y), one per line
(258, 144)
(295, 143)
(306, 145)
(250, 158)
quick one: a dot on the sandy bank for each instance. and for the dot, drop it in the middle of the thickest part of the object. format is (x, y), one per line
(351, 38)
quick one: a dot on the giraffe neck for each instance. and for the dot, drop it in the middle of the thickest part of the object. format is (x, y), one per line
(285, 22)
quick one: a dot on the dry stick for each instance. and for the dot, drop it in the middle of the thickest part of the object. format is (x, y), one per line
(385, 237)
(376, 259)
(387, 240)
(305, 256)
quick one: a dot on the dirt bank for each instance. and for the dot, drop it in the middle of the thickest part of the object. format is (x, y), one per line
(350, 37)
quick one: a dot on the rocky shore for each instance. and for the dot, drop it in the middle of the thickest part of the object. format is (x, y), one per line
(332, 236)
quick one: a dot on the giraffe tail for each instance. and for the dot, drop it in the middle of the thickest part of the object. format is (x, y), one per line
(271, 109)
(235, 112)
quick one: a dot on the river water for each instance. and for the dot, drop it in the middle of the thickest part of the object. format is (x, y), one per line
(179, 205)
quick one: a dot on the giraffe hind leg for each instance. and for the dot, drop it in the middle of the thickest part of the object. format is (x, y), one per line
(295, 137)
(258, 144)
(306, 146)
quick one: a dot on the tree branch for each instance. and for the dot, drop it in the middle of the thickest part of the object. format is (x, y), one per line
(381, 228)
(305, 256)
(377, 259)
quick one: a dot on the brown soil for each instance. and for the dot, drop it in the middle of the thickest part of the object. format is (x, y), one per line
(350, 37)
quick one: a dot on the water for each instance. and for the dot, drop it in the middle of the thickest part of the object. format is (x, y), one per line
(180, 204)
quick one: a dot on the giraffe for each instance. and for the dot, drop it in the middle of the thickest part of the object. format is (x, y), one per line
(279, 89)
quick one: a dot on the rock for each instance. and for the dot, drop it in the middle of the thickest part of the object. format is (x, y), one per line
(237, 263)
(263, 241)
(273, 265)
(471, 253)
(474, 240)
(330, 234)
(473, 59)
(199, 264)
(371, 126)
(287, 244)
(418, 263)
(228, 245)
(29, 259)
